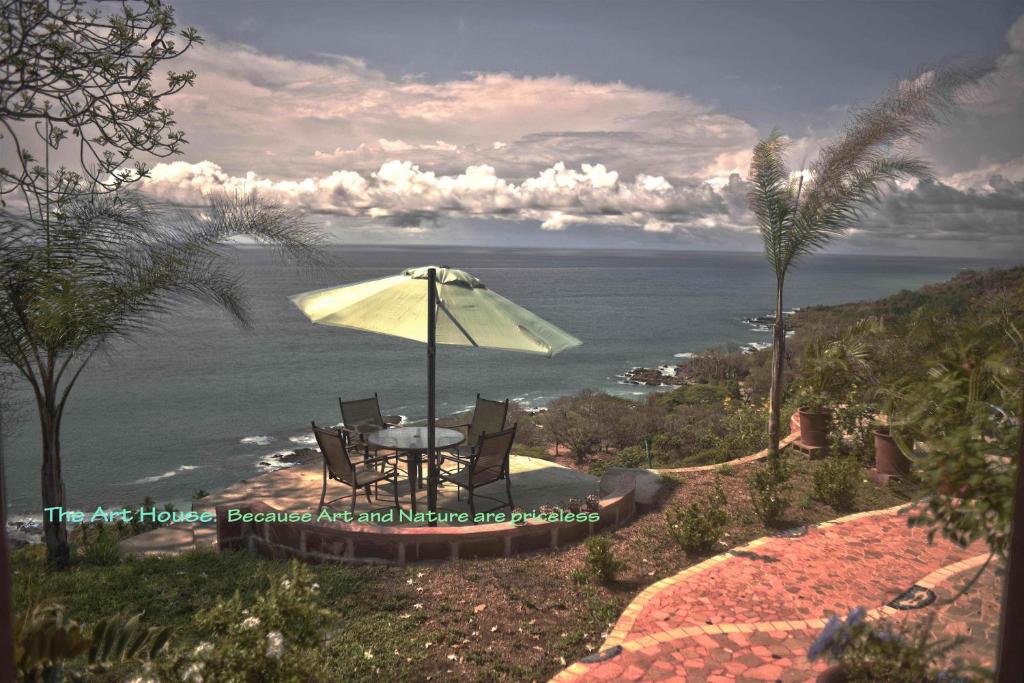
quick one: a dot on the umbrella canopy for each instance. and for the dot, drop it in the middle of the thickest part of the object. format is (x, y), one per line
(468, 314)
(435, 305)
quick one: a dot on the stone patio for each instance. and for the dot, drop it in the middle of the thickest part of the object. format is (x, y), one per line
(535, 482)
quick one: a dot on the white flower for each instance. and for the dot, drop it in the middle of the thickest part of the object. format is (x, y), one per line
(193, 674)
(368, 654)
(251, 622)
(275, 644)
(202, 647)
(286, 583)
(315, 586)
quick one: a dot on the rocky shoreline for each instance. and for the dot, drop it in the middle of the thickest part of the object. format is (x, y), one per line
(676, 375)
(665, 376)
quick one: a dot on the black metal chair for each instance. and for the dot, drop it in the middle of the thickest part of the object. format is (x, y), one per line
(361, 417)
(487, 463)
(340, 467)
(488, 417)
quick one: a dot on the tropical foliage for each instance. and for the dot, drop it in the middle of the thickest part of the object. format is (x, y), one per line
(104, 268)
(276, 638)
(801, 212)
(49, 647)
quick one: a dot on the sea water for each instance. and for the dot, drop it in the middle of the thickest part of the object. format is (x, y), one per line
(198, 403)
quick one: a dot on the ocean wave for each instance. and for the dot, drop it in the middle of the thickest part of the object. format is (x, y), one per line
(752, 347)
(685, 354)
(256, 440)
(275, 461)
(166, 475)
(303, 439)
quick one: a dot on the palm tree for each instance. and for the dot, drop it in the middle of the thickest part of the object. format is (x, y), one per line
(103, 268)
(800, 213)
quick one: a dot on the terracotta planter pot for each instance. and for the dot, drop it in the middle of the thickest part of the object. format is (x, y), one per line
(833, 674)
(814, 427)
(889, 459)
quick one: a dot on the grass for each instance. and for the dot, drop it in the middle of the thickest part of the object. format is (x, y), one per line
(504, 619)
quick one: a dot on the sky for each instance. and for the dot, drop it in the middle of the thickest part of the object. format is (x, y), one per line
(586, 124)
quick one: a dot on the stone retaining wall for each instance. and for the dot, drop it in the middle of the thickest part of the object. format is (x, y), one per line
(369, 543)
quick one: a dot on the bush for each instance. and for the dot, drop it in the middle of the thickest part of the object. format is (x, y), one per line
(601, 558)
(49, 647)
(742, 432)
(689, 394)
(277, 638)
(837, 481)
(868, 652)
(769, 491)
(698, 526)
(99, 544)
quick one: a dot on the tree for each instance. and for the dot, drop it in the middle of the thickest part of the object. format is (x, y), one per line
(109, 265)
(801, 213)
(69, 74)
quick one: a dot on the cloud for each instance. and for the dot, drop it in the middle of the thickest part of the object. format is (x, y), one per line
(402, 194)
(987, 132)
(341, 139)
(313, 117)
(936, 212)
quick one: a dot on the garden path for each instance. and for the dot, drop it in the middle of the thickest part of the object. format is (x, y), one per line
(750, 614)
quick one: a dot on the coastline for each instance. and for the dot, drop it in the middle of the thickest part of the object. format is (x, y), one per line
(290, 372)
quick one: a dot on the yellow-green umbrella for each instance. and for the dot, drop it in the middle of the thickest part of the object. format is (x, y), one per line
(468, 314)
(435, 305)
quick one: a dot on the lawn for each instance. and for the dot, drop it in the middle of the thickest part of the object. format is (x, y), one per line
(508, 619)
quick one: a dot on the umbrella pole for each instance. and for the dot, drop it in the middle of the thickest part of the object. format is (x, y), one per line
(431, 408)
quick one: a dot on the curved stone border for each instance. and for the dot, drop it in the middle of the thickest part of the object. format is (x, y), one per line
(369, 543)
(618, 639)
(619, 632)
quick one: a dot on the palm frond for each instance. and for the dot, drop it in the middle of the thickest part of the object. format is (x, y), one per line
(111, 266)
(771, 196)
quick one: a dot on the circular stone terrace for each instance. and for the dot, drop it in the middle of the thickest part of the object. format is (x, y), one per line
(536, 483)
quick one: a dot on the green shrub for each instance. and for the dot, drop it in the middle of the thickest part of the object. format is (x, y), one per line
(698, 526)
(601, 558)
(527, 451)
(100, 545)
(741, 432)
(277, 638)
(769, 491)
(51, 648)
(579, 576)
(837, 481)
(689, 394)
(633, 456)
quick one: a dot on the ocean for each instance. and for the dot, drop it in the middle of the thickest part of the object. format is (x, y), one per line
(198, 403)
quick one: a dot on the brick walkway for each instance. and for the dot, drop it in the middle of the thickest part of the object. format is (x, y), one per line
(750, 614)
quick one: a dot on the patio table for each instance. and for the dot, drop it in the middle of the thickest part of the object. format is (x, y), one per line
(412, 441)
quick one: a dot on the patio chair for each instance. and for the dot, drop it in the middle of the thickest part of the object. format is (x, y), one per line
(486, 464)
(362, 416)
(339, 467)
(488, 417)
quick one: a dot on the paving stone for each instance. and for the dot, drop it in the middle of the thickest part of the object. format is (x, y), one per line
(750, 615)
